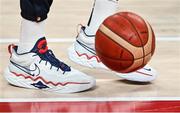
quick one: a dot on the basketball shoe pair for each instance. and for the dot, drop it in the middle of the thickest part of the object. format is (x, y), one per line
(40, 69)
(83, 53)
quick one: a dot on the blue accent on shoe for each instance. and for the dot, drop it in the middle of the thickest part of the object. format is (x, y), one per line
(26, 70)
(83, 28)
(86, 47)
(147, 69)
(40, 85)
(48, 56)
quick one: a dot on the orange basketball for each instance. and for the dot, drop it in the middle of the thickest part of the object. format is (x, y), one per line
(125, 42)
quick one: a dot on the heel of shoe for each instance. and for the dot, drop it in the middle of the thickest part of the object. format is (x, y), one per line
(16, 81)
(81, 60)
(7, 76)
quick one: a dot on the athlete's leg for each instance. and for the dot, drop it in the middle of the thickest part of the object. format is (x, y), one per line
(101, 10)
(34, 13)
(83, 50)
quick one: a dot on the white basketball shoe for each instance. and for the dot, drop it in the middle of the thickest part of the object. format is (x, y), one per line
(83, 53)
(40, 69)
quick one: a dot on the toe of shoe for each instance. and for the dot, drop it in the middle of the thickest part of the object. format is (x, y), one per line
(142, 75)
(85, 81)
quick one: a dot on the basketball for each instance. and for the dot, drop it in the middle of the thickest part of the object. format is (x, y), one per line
(125, 42)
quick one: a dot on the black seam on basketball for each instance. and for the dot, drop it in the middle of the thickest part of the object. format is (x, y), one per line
(144, 22)
(153, 40)
(122, 59)
(107, 57)
(119, 34)
(147, 35)
(120, 46)
(138, 35)
(122, 51)
(114, 42)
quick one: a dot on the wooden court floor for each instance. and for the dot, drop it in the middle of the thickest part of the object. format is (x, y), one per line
(164, 15)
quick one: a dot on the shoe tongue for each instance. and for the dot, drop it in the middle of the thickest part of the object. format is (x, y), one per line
(40, 46)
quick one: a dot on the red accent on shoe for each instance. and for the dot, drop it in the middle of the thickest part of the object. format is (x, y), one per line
(143, 73)
(42, 46)
(89, 57)
(10, 49)
(47, 82)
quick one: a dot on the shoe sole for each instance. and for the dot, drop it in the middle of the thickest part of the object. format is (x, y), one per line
(26, 83)
(138, 76)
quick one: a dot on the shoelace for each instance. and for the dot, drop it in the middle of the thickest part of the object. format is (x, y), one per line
(48, 56)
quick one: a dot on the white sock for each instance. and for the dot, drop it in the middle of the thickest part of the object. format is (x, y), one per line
(101, 10)
(30, 33)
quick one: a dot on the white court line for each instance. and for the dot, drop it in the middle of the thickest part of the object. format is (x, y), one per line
(91, 99)
(53, 40)
(60, 40)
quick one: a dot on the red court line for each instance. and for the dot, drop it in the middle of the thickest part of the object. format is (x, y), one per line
(121, 106)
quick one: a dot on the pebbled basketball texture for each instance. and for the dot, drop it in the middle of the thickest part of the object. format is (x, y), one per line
(125, 42)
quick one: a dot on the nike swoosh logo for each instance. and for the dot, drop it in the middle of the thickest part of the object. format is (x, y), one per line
(32, 72)
(147, 69)
(87, 48)
(114, 1)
